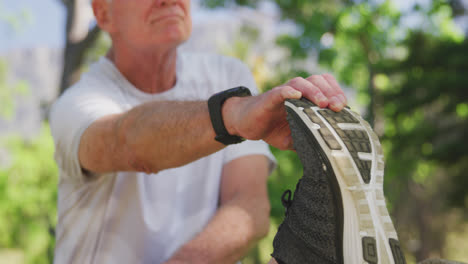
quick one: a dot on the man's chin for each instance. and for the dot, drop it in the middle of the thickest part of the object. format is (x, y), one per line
(173, 40)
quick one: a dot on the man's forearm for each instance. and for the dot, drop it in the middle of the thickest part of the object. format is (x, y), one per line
(234, 229)
(161, 135)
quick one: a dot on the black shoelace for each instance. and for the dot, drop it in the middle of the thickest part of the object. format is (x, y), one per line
(286, 198)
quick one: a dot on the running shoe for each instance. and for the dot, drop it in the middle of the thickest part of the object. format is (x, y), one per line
(338, 214)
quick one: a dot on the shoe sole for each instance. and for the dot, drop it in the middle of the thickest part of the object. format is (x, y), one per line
(354, 153)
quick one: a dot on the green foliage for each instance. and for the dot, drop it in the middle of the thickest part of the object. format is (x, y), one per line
(28, 197)
(427, 111)
(285, 177)
(99, 49)
(27, 178)
(9, 92)
(27, 187)
(14, 22)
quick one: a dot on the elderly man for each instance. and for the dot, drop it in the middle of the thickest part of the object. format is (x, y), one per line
(145, 174)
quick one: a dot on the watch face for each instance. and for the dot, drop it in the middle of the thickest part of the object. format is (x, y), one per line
(240, 91)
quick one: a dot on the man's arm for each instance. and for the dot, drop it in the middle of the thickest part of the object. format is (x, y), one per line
(242, 219)
(161, 135)
(149, 138)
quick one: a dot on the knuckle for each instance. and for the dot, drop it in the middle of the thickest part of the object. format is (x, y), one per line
(328, 75)
(317, 92)
(314, 78)
(285, 88)
(277, 89)
(296, 81)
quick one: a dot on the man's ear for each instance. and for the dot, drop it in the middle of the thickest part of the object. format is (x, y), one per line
(102, 12)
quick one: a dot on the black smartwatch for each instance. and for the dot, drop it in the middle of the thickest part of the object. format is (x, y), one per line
(215, 104)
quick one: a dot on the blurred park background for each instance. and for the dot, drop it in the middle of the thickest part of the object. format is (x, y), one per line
(403, 63)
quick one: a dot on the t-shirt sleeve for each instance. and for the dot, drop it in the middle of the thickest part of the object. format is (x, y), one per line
(247, 148)
(242, 76)
(70, 116)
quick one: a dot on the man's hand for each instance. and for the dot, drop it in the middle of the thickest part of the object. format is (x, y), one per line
(263, 116)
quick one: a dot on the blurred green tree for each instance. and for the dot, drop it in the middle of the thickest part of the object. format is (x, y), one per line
(9, 91)
(28, 178)
(426, 123)
(28, 197)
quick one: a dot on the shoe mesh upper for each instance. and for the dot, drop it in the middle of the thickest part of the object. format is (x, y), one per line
(311, 217)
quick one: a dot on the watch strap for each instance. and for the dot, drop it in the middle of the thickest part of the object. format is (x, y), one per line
(215, 104)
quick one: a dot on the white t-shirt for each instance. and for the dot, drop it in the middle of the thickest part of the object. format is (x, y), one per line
(133, 217)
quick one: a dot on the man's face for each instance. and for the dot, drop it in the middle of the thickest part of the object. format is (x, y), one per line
(145, 23)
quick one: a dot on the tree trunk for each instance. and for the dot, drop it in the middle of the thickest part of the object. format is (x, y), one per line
(79, 38)
(430, 222)
(368, 49)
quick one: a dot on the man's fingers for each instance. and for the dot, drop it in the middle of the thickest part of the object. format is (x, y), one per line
(332, 92)
(290, 93)
(322, 84)
(278, 95)
(336, 104)
(334, 84)
(309, 91)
